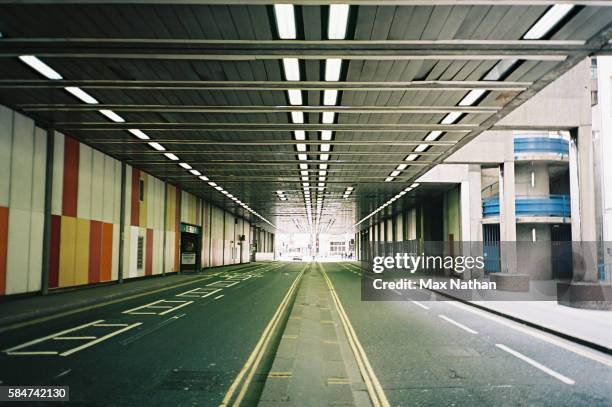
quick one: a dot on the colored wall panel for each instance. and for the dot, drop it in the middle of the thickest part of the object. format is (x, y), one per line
(4, 218)
(142, 210)
(135, 201)
(81, 269)
(149, 253)
(67, 251)
(95, 251)
(56, 228)
(6, 142)
(71, 177)
(106, 252)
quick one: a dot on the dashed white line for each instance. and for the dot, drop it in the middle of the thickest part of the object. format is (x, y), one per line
(218, 296)
(419, 304)
(175, 308)
(457, 324)
(535, 364)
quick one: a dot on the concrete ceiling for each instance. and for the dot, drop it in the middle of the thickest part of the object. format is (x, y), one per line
(206, 80)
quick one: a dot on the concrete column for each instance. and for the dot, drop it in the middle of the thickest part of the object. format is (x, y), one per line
(507, 217)
(471, 206)
(585, 264)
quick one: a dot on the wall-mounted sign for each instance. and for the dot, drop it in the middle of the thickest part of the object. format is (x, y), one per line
(188, 258)
(190, 228)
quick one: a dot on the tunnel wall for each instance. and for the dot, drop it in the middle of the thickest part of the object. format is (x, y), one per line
(86, 212)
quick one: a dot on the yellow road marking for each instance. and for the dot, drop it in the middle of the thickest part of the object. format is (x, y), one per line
(375, 391)
(256, 355)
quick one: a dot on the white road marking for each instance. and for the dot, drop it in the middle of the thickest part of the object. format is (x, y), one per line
(141, 307)
(175, 308)
(465, 328)
(218, 296)
(73, 338)
(34, 353)
(533, 363)
(103, 325)
(100, 339)
(200, 292)
(419, 304)
(44, 338)
(605, 360)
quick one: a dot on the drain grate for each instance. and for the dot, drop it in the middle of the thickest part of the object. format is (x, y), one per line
(195, 380)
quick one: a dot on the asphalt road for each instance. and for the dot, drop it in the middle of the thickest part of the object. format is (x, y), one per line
(432, 353)
(179, 353)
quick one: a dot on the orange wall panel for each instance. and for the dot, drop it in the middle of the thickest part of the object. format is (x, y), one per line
(95, 251)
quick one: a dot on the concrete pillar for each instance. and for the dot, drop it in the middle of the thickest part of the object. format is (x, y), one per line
(507, 217)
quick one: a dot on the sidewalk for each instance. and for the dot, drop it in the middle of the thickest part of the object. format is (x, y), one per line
(586, 325)
(31, 307)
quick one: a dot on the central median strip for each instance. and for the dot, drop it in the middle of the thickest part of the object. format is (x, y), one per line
(375, 390)
(239, 387)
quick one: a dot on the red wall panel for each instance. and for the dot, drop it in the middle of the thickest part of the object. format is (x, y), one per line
(71, 177)
(149, 253)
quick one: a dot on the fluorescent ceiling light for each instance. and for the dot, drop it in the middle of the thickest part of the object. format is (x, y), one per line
(185, 166)
(224, 192)
(329, 97)
(350, 188)
(171, 156)
(302, 157)
(195, 172)
(407, 189)
(304, 178)
(297, 117)
(321, 184)
(333, 66)
(421, 147)
(323, 166)
(139, 134)
(295, 96)
(39, 66)
(433, 135)
(112, 116)
(322, 172)
(500, 69)
(81, 95)
(325, 147)
(321, 178)
(304, 172)
(548, 21)
(472, 97)
(218, 188)
(212, 184)
(326, 135)
(388, 179)
(285, 21)
(402, 167)
(412, 157)
(292, 69)
(414, 185)
(324, 157)
(328, 118)
(301, 147)
(203, 177)
(299, 135)
(303, 166)
(338, 21)
(395, 173)
(451, 117)
(279, 192)
(157, 146)
(234, 198)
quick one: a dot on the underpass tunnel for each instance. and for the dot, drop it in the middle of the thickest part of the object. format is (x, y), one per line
(228, 202)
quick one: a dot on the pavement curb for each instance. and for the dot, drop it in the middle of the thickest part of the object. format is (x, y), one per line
(46, 311)
(580, 341)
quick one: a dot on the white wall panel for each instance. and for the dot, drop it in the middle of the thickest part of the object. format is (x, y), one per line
(6, 146)
(84, 182)
(58, 174)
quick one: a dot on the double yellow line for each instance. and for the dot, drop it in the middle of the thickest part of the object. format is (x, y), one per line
(241, 383)
(375, 390)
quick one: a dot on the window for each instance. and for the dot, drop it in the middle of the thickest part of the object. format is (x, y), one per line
(141, 191)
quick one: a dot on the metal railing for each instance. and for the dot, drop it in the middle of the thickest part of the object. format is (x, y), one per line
(541, 145)
(548, 205)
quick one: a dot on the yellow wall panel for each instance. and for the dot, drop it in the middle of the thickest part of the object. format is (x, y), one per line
(171, 208)
(67, 251)
(81, 269)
